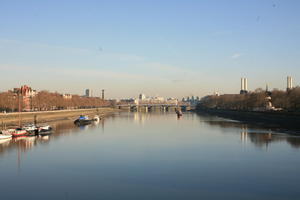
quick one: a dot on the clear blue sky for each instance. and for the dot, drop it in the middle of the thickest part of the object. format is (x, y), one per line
(167, 48)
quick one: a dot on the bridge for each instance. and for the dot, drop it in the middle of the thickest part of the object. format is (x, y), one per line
(151, 107)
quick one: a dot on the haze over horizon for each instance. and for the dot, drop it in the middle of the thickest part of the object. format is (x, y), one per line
(167, 48)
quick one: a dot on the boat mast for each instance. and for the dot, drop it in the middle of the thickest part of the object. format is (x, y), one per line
(19, 108)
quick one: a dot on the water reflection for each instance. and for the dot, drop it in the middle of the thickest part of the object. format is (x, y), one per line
(244, 135)
(25, 143)
(140, 117)
(152, 153)
(5, 142)
(259, 136)
(263, 140)
(260, 139)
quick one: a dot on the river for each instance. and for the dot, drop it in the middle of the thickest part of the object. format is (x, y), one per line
(152, 156)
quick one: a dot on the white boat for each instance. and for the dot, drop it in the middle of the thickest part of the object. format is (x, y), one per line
(30, 128)
(96, 118)
(5, 136)
(44, 128)
(15, 132)
(8, 131)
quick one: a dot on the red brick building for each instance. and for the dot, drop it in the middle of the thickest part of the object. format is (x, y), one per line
(27, 93)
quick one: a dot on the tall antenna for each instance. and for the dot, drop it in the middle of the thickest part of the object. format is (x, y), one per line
(19, 102)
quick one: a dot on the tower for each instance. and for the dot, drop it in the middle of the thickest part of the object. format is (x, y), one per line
(244, 86)
(289, 83)
(103, 94)
(87, 92)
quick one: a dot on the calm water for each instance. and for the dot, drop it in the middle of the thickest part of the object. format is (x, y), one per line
(152, 156)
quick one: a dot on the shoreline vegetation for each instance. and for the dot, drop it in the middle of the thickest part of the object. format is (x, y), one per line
(273, 109)
(11, 120)
(26, 99)
(283, 121)
(24, 105)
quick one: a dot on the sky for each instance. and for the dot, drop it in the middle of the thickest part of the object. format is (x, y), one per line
(168, 48)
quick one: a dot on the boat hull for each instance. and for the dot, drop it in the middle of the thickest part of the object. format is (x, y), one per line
(19, 133)
(82, 122)
(5, 136)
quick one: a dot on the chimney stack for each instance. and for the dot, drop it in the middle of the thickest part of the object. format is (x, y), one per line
(289, 83)
(244, 86)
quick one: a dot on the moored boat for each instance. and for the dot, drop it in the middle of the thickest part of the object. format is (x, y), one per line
(96, 118)
(8, 131)
(32, 129)
(83, 120)
(178, 112)
(44, 133)
(15, 132)
(5, 136)
(44, 128)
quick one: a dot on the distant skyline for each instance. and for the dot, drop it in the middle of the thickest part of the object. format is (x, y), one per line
(166, 48)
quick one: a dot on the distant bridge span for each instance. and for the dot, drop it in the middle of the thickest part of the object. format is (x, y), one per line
(149, 106)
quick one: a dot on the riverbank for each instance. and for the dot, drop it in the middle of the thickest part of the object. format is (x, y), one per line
(288, 122)
(11, 120)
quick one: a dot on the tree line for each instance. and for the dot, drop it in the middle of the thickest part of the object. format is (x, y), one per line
(285, 100)
(44, 101)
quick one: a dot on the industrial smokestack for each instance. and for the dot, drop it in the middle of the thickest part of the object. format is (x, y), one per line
(245, 84)
(242, 84)
(289, 83)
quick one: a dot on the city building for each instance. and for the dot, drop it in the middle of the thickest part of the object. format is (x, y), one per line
(129, 101)
(191, 100)
(27, 93)
(158, 99)
(216, 93)
(67, 96)
(87, 92)
(142, 97)
(103, 94)
(172, 101)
